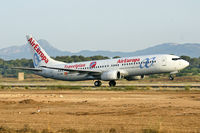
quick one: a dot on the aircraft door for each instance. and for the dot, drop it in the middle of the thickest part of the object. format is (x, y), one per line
(164, 61)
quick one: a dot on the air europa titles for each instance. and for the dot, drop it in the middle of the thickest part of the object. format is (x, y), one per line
(37, 49)
(128, 60)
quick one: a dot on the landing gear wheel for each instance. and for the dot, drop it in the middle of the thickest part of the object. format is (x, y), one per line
(171, 77)
(97, 83)
(112, 83)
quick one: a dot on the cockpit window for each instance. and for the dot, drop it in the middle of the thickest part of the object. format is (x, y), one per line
(176, 58)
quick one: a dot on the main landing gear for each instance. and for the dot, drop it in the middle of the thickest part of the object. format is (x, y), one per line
(112, 83)
(98, 83)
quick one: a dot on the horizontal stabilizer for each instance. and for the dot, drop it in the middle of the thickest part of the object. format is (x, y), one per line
(27, 68)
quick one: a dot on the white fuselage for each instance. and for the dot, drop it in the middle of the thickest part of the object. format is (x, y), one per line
(130, 66)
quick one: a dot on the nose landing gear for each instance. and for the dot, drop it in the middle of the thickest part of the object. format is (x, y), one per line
(171, 77)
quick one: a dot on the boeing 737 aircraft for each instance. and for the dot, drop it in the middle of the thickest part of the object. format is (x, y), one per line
(130, 68)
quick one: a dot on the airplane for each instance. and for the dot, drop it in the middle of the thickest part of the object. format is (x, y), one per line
(129, 68)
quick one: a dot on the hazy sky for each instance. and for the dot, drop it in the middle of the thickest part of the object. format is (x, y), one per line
(116, 25)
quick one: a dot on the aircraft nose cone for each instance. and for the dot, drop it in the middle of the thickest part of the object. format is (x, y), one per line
(187, 63)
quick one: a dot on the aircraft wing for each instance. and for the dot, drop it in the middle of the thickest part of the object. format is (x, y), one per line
(26, 68)
(92, 72)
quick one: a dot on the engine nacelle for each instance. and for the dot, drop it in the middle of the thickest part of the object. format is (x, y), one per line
(110, 75)
(129, 78)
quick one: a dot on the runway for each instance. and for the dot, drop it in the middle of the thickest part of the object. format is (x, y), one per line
(85, 85)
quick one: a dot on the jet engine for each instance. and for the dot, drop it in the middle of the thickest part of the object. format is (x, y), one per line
(110, 75)
(130, 78)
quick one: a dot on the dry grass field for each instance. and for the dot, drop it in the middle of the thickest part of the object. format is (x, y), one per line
(74, 111)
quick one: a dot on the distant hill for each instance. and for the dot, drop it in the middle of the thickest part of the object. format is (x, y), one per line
(23, 51)
(18, 52)
(188, 49)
